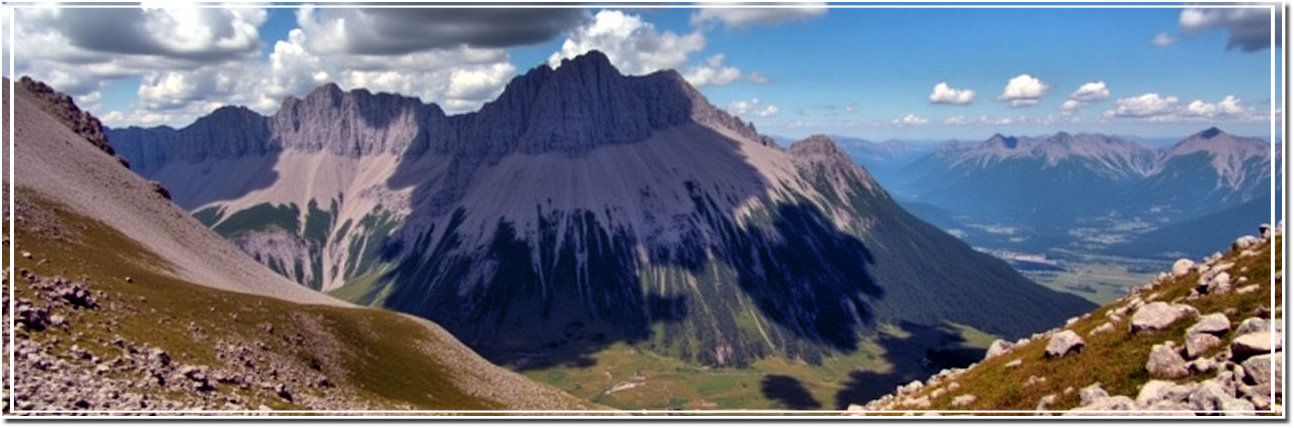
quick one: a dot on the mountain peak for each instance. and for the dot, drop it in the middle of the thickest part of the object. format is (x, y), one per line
(593, 59)
(1211, 132)
(816, 144)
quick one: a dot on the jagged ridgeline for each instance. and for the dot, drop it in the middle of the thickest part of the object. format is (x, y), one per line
(582, 208)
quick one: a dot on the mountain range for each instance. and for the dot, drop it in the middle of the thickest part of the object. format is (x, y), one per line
(581, 208)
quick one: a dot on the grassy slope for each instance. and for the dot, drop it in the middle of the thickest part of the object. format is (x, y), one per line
(661, 382)
(1114, 359)
(389, 359)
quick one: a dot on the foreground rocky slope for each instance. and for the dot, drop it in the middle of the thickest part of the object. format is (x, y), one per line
(583, 208)
(1204, 339)
(124, 303)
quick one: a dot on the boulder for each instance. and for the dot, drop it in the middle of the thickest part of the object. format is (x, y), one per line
(1115, 403)
(1215, 324)
(1157, 391)
(963, 400)
(1090, 394)
(1046, 401)
(1064, 343)
(1156, 316)
(1252, 344)
(998, 347)
(1182, 267)
(1197, 344)
(1258, 371)
(1014, 363)
(1244, 242)
(1265, 230)
(1103, 328)
(1202, 365)
(1208, 396)
(1251, 325)
(1165, 363)
(1219, 284)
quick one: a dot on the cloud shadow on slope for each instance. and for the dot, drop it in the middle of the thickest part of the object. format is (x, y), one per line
(925, 351)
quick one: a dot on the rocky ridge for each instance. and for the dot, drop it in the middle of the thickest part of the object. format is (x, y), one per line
(1224, 362)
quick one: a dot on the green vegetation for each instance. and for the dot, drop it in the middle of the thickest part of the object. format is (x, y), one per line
(1115, 359)
(261, 217)
(209, 216)
(389, 360)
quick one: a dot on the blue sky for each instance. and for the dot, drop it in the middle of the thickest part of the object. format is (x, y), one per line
(865, 72)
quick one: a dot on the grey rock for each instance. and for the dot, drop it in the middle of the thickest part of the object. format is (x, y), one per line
(1244, 242)
(1258, 371)
(1046, 402)
(1251, 344)
(1091, 394)
(1064, 343)
(1156, 316)
(963, 400)
(1103, 328)
(1014, 363)
(1215, 324)
(1165, 363)
(1197, 344)
(1202, 365)
(1209, 396)
(1182, 267)
(1115, 403)
(1251, 325)
(998, 347)
(1219, 284)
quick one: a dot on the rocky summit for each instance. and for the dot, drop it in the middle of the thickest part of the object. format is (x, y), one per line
(582, 208)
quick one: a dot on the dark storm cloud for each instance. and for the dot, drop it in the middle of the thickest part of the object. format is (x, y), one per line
(398, 31)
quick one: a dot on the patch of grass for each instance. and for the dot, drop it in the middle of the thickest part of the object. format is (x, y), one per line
(1115, 359)
(388, 359)
(261, 217)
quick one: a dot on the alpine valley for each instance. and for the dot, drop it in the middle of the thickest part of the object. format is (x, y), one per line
(584, 220)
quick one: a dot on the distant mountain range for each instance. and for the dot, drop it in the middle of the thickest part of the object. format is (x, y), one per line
(1047, 187)
(579, 209)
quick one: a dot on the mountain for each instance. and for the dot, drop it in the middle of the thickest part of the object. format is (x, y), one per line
(1056, 183)
(124, 302)
(1202, 340)
(1200, 236)
(583, 208)
(885, 160)
(1209, 169)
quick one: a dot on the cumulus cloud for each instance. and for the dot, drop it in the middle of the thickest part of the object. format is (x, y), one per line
(399, 31)
(1249, 29)
(1155, 107)
(1162, 39)
(78, 49)
(944, 94)
(633, 45)
(1145, 105)
(1230, 106)
(910, 120)
(1023, 90)
(753, 107)
(769, 14)
(712, 73)
(958, 120)
(1086, 93)
(1091, 91)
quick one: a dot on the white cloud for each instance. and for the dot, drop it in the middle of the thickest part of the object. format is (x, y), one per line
(1023, 90)
(712, 73)
(1230, 105)
(1086, 93)
(753, 107)
(958, 120)
(1162, 39)
(1091, 91)
(633, 45)
(944, 94)
(910, 120)
(1248, 28)
(1145, 105)
(742, 17)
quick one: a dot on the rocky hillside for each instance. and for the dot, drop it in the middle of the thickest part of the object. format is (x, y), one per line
(1204, 339)
(125, 303)
(580, 209)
